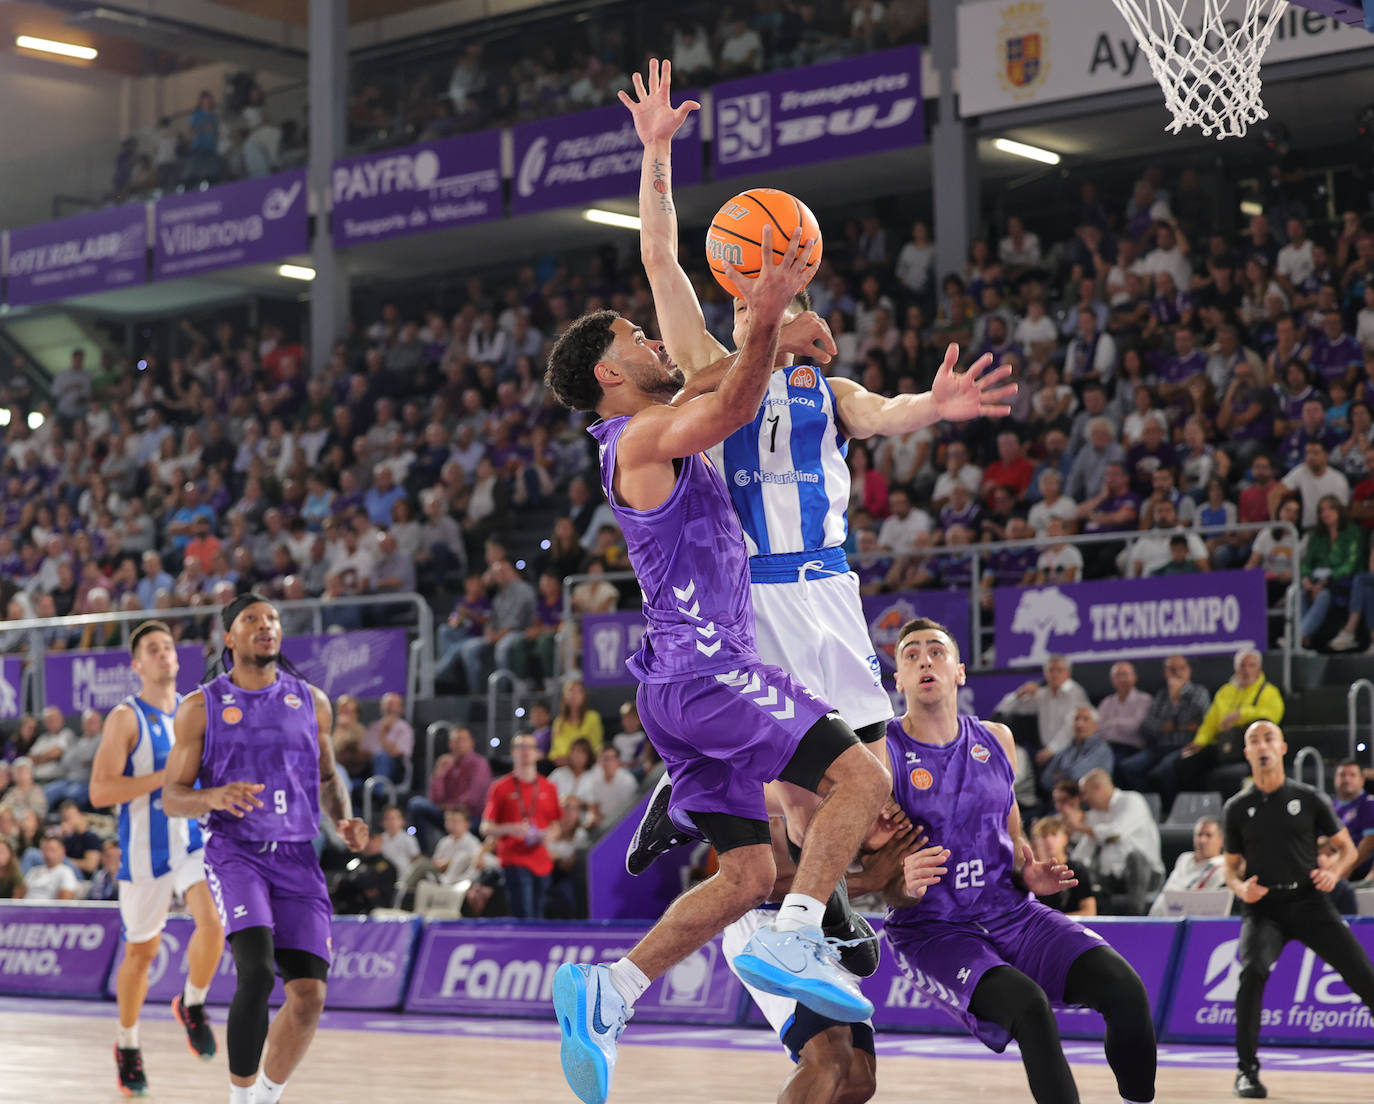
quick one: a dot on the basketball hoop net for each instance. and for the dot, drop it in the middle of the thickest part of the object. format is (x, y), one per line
(1206, 56)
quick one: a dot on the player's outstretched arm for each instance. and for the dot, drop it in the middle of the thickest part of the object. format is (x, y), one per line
(662, 433)
(334, 797)
(953, 397)
(109, 785)
(180, 798)
(680, 321)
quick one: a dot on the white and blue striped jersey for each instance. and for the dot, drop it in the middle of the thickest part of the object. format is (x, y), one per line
(786, 470)
(149, 838)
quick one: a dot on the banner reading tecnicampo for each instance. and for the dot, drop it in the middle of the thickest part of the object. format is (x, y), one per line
(1217, 611)
(840, 109)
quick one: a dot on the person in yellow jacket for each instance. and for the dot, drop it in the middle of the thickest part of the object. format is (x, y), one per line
(1246, 698)
(575, 718)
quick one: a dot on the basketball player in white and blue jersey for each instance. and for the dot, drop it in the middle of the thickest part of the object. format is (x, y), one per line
(162, 854)
(786, 472)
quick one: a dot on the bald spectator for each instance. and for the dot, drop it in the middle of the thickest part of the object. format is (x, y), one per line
(1124, 837)
(460, 780)
(1122, 712)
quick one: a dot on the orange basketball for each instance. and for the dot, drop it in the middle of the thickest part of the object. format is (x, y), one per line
(736, 231)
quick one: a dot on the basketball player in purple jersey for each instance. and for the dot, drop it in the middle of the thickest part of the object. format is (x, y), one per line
(723, 722)
(257, 740)
(979, 944)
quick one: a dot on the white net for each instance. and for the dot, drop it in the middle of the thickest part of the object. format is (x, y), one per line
(1206, 56)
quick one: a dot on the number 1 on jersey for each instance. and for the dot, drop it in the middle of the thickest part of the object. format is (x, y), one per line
(773, 433)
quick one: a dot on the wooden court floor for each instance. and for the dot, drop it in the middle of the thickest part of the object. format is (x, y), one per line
(67, 1058)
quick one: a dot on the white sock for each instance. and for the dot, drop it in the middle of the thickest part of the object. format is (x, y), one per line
(799, 911)
(191, 995)
(240, 1094)
(629, 981)
(127, 1037)
(266, 1091)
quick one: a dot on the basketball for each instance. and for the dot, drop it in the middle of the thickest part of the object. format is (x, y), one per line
(737, 229)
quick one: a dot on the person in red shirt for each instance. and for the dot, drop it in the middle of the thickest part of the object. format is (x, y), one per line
(1254, 500)
(460, 780)
(1362, 495)
(523, 815)
(1011, 469)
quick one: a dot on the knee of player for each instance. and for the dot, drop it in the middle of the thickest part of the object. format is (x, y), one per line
(305, 998)
(861, 1082)
(143, 953)
(750, 878)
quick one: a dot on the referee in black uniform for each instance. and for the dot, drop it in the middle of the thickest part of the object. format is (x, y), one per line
(1271, 865)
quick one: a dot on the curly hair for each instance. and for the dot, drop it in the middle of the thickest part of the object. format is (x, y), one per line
(571, 374)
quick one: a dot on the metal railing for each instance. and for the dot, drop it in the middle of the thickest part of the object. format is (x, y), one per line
(1310, 755)
(33, 690)
(1359, 688)
(1287, 610)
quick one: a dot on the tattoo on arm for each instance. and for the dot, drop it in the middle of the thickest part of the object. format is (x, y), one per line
(665, 201)
(334, 798)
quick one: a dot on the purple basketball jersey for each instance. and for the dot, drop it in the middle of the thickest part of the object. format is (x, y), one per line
(693, 569)
(267, 736)
(960, 795)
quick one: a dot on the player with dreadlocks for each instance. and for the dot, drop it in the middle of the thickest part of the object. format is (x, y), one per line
(256, 739)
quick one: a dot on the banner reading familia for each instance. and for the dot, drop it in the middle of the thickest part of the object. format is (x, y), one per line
(499, 969)
(231, 225)
(11, 682)
(592, 155)
(76, 681)
(842, 108)
(434, 186)
(78, 256)
(1305, 1001)
(1217, 611)
(57, 950)
(366, 664)
(366, 970)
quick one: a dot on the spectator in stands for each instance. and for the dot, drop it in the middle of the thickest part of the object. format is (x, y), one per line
(11, 877)
(1121, 714)
(349, 738)
(460, 779)
(569, 778)
(1245, 698)
(1342, 893)
(1329, 565)
(1058, 563)
(82, 846)
(24, 793)
(1088, 751)
(467, 621)
(1126, 854)
(630, 741)
(906, 527)
(22, 739)
(1050, 841)
(575, 719)
(610, 789)
(1151, 552)
(202, 162)
(398, 841)
(1091, 461)
(1053, 702)
(1173, 719)
(1361, 603)
(540, 654)
(390, 739)
(52, 743)
(1314, 480)
(1355, 808)
(523, 816)
(74, 777)
(1275, 550)
(53, 879)
(512, 612)
(104, 884)
(1199, 868)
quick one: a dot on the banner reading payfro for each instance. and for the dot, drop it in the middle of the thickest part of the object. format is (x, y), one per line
(843, 108)
(11, 681)
(1216, 611)
(75, 681)
(592, 155)
(235, 224)
(366, 664)
(434, 186)
(499, 969)
(57, 950)
(1305, 1001)
(79, 255)
(367, 969)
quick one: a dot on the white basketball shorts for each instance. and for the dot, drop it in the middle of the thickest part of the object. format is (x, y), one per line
(144, 904)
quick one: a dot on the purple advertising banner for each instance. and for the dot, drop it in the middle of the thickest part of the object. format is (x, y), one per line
(11, 681)
(368, 969)
(592, 155)
(887, 613)
(74, 681)
(232, 225)
(78, 256)
(366, 664)
(1217, 611)
(1305, 1001)
(57, 950)
(843, 108)
(505, 969)
(608, 640)
(978, 697)
(434, 186)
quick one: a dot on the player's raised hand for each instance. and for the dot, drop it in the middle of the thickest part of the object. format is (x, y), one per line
(235, 797)
(962, 396)
(656, 119)
(768, 294)
(923, 869)
(1251, 891)
(353, 832)
(1043, 878)
(807, 335)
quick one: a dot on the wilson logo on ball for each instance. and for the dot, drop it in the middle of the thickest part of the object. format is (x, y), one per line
(727, 252)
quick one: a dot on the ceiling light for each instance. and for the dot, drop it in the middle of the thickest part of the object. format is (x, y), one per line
(612, 218)
(4, 416)
(1033, 153)
(49, 46)
(295, 272)
(1251, 207)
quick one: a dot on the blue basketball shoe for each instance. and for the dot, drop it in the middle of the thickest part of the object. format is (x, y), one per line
(591, 1015)
(804, 965)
